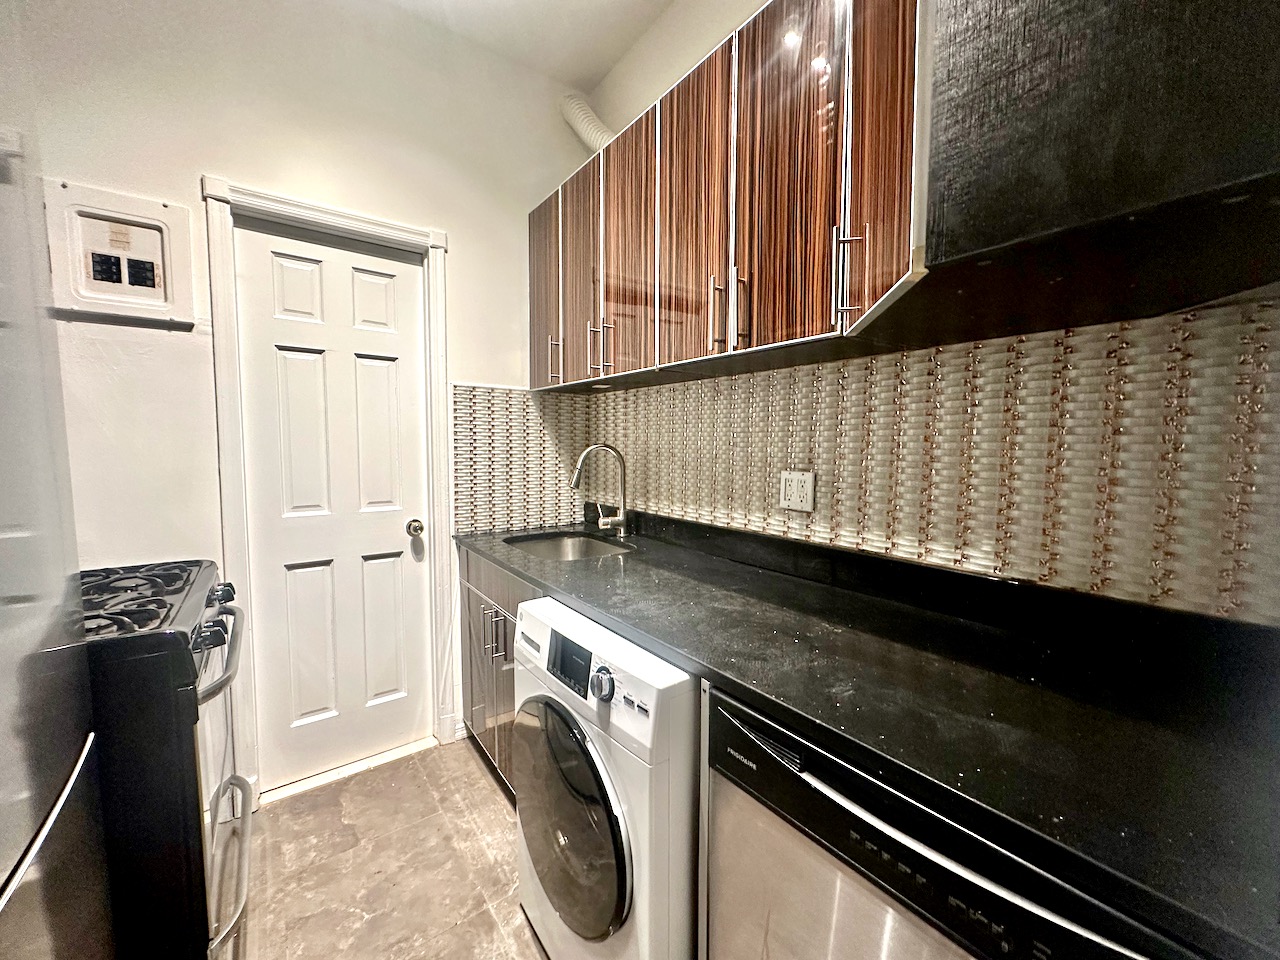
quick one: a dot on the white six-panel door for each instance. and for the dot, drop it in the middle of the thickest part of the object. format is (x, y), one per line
(333, 379)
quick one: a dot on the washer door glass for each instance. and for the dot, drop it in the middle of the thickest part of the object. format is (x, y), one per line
(569, 817)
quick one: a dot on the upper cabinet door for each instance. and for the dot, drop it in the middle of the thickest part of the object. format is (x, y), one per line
(546, 359)
(792, 191)
(693, 211)
(625, 338)
(876, 251)
(580, 272)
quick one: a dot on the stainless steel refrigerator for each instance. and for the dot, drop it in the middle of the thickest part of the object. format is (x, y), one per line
(53, 895)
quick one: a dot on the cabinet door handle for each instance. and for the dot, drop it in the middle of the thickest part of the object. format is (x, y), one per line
(595, 366)
(552, 344)
(866, 267)
(499, 650)
(841, 273)
(486, 614)
(603, 362)
(744, 330)
(714, 317)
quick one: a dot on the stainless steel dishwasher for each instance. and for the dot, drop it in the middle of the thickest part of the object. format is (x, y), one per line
(806, 857)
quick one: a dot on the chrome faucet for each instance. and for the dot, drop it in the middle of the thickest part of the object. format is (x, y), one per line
(619, 522)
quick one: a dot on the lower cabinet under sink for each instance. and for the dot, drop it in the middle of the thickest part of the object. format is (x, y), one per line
(490, 597)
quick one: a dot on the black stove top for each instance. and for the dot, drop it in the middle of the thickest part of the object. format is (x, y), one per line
(148, 598)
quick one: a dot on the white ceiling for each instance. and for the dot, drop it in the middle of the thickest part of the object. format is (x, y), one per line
(574, 41)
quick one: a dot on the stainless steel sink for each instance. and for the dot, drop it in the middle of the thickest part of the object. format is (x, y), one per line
(566, 546)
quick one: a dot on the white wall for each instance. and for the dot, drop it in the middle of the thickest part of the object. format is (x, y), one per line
(351, 103)
(685, 33)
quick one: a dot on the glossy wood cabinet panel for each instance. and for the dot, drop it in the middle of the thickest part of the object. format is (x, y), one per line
(696, 139)
(580, 271)
(790, 177)
(625, 339)
(778, 176)
(546, 360)
(883, 93)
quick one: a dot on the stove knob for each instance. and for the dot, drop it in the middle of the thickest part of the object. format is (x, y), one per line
(211, 633)
(601, 684)
(222, 593)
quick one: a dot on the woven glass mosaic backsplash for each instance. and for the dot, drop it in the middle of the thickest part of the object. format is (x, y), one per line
(513, 455)
(1135, 459)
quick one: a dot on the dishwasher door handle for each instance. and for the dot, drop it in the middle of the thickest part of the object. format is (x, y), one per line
(941, 860)
(963, 872)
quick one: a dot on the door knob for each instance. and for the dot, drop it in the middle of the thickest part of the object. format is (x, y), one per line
(414, 528)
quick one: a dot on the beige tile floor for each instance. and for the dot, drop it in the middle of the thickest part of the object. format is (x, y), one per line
(412, 859)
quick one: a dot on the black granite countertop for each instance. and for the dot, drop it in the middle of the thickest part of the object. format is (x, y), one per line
(1132, 753)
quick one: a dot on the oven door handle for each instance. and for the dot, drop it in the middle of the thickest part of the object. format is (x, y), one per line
(211, 690)
(245, 823)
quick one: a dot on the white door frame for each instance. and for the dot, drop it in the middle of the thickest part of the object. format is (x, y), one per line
(224, 202)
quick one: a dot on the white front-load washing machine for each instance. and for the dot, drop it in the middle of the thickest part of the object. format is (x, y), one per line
(604, 767)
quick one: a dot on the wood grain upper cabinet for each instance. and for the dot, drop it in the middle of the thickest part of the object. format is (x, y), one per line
(625, 337)
(875, 251)
(790, 168)
(580, 271)
(546, 359)
(696, 118)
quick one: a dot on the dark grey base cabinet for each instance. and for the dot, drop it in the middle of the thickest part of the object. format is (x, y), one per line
(490, 597)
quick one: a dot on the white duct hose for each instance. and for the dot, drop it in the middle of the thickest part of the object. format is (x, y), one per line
(583, 121)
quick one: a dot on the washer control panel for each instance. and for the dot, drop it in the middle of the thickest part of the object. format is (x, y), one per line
(623, 689)
(629, 701)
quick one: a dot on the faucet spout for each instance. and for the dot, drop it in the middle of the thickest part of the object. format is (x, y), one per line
(619, 522)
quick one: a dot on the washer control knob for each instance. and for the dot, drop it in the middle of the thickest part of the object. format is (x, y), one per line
(601, 684)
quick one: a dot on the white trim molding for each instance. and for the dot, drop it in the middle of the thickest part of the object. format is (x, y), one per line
(224, 203)
(347, 770)
(231, 475)
(444, 610)
(276, 208)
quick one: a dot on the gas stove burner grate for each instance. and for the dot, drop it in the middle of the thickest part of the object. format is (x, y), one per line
(125, 618)
(92, 578)
(130, 599)
(151, 580)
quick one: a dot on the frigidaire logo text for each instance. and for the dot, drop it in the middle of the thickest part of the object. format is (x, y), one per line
(737, 756)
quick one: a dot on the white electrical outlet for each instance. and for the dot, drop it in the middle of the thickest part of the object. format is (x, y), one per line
(796, 490)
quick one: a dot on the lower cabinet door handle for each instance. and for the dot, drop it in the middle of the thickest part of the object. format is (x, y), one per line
(486, 614)
(499, 649)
